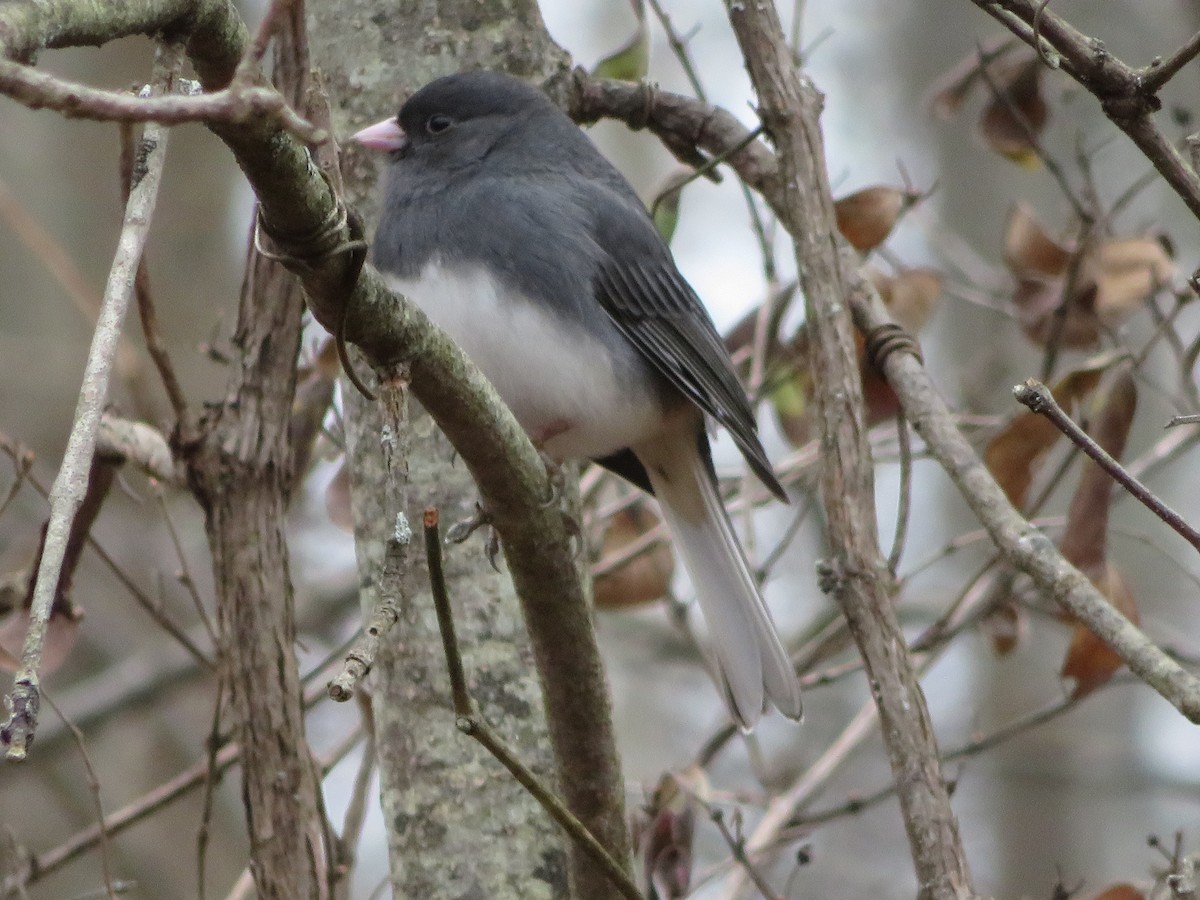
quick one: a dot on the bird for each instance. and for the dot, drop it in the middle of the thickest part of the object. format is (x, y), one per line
(506, 225)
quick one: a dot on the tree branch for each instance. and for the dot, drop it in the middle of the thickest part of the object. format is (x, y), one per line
(1022, 544)
(1128, 96)
(789, 109)
(70, 485)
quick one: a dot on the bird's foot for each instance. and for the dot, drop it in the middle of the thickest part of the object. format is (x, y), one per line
(459, 532)
(555, 478)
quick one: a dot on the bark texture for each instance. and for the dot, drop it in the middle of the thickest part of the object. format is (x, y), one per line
(241, 472)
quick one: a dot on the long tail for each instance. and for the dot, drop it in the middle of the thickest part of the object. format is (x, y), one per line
(751, 662)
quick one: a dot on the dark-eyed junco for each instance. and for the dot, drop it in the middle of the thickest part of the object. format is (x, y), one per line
(509, 229)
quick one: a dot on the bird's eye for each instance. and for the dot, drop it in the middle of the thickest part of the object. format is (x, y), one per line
(438, 123)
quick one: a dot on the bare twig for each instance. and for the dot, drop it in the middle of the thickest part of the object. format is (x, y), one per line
(470, 723)
(94, 790)
(1128, 96)
(1160, 71)
(1022, 544)
(789, 110)
(904, 505)
(737, 847)
(1038, 398)
(213, 747)
(71, 483)
(356, 809)
(361, 656)
(37, 90)
(359, 659)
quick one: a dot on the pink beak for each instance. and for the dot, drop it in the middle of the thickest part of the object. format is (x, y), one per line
(386, 135)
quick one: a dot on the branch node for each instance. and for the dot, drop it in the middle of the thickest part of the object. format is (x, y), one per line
(889, 338)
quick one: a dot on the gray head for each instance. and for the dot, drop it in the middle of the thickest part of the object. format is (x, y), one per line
(458, 120)
(451, 125)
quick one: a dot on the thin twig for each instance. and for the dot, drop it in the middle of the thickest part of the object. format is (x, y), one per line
(248, 66)
(213, 747)
(71, 483)
(94, 790)
(361, 655)
(37, 90)
(1022, 544)
(904, 505)
(737, 847)
(143, 600)
(679, 48)
(356, 809)
(472, 724)
(1038, 398)
(184, 576)
(1160, 71)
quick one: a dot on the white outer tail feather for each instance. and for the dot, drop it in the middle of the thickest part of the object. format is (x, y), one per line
(752, 665)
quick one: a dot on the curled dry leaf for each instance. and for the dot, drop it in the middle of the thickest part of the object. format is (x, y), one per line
(1014, 455)
(1005, 627)
(1085, 538)
(1112, 280)
(1017, 112)
(1028, 249)
(951, 90)
(1089, 661)
(865, 218)
(645, 576)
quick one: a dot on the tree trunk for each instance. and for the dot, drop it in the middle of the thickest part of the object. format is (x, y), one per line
(458, 824)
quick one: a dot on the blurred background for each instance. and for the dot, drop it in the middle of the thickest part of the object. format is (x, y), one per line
(1073, 799)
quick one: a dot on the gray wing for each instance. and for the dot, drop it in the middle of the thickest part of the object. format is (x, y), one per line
(649, 301)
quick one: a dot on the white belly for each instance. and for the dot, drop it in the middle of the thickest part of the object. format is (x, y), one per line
(558, 381)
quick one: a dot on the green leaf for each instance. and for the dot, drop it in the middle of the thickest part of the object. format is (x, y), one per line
(665, 206)
(632, 61)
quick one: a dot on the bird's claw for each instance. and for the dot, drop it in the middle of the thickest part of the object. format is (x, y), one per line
(555, 478)
(460, 531)
(574, 533)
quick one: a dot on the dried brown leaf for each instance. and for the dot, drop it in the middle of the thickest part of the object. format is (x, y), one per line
(1013, 455)
(951, 89)
(865, 218)
(911, 296)
(1127, 273)
(1121, 891)
(1085, 538)
(1028, 249)
(1005, 626)
(1017, 111)
(643, 578)
(1089, 660)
